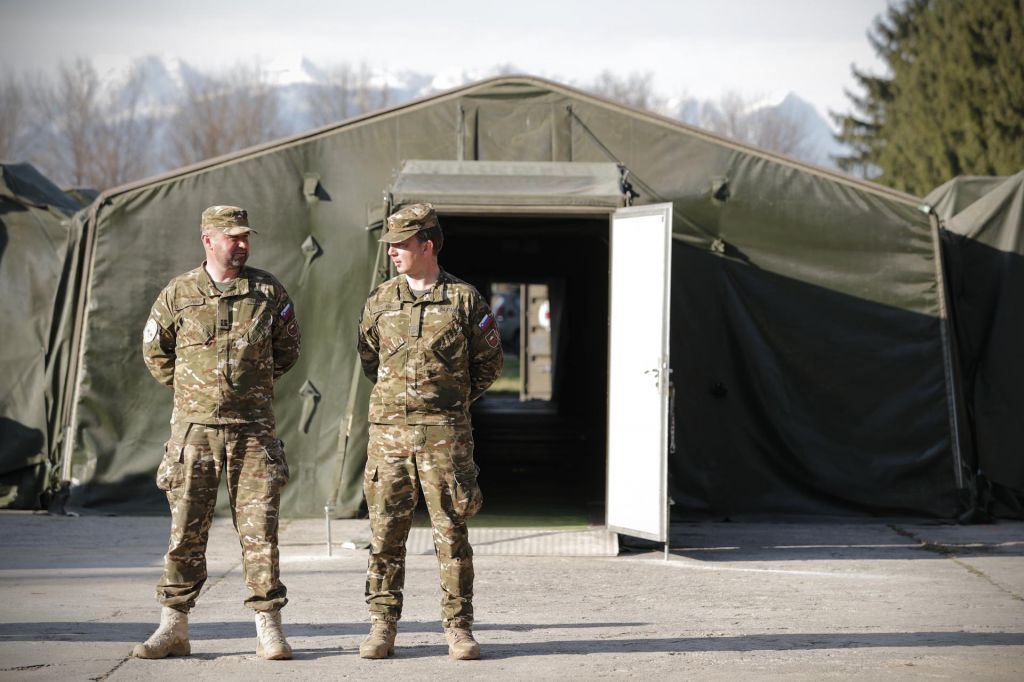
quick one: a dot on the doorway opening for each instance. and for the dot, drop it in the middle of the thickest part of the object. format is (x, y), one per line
(523, 312)
(540, 436)
(505, 300)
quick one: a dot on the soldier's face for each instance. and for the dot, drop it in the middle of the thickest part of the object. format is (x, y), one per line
(411, 256)
(229, 252)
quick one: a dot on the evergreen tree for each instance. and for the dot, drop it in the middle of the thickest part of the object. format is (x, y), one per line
(952, 102)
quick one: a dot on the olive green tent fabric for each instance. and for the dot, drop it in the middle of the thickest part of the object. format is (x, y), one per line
(808, 318)
(807, 352)
(984, 249)
(954, 196)
(82, 196)
(37, 251)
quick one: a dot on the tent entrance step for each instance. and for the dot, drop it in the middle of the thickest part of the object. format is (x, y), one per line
(593, 541)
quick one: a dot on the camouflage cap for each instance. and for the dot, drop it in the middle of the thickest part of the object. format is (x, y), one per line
(409, 220)
(231, 220)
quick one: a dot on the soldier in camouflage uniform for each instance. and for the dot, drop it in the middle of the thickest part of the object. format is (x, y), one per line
(220, 336)
(430, 345)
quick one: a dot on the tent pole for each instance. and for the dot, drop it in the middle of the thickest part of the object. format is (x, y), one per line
(328, 510)
(72, 383)
(947, 351)
(668, 526)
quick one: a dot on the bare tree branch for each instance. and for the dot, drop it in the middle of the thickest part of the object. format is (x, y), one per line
(739, 117)
(90, 134)
(124, 144)
(344, 93)
(14, 117)
(70, 107)
(636, 89)
(223, 114)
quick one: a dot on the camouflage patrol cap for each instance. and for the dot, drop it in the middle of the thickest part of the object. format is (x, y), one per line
(409, 220)
(231, 220)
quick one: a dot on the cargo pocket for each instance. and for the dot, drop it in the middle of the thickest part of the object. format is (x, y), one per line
(277, 465)
(466, 496)
(370, 492)
(171, 473)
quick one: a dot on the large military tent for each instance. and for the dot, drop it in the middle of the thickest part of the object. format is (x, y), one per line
(811, 360)
(983, 248)
(38, 261)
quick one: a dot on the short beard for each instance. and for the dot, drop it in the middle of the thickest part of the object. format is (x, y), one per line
(237, 261)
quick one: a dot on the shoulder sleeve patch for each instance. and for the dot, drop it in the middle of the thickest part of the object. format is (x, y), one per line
(149, 333)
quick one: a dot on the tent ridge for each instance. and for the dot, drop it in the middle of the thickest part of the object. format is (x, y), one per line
(469, 90)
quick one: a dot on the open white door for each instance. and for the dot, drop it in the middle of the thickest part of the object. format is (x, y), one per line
(638, 381)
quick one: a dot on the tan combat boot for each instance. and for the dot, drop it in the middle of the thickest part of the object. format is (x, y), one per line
(461, 645)
(270, 641)
(380, 643)
(170, 638)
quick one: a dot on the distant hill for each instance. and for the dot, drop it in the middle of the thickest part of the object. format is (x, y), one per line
(791, 126)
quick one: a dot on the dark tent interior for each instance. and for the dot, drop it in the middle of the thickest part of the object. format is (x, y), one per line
(540, 459)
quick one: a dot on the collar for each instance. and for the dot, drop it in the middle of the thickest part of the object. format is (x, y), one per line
(203, 282)
(437, 293)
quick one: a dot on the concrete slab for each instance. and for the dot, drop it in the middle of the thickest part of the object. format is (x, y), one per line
(809, 601)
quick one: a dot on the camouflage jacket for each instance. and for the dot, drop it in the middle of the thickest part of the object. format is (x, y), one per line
(430, 357)
(221, 352)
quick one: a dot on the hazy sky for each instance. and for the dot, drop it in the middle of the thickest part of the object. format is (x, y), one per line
(701, 48)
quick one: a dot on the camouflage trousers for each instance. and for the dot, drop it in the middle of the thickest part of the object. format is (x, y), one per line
(401, 460)
(255, 470)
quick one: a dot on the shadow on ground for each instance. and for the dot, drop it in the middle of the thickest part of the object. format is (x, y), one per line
(131, 632)
(822, 542)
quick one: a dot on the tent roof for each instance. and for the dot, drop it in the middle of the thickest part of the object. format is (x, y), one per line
(508, 186)
(83, 195)
(996, 219)
(513, 85)
(26, 185)
(954, 196)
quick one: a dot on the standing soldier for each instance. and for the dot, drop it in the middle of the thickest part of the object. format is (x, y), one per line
(430, 345)
(220, 336)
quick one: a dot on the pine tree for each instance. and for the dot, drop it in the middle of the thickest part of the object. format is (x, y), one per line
(953, 101)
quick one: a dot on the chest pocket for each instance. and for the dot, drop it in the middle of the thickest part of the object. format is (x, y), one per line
(445, 336)
(253, 322)
(393, 328)
(196, 321)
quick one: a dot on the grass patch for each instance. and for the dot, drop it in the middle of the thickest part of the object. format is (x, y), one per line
(509, 381)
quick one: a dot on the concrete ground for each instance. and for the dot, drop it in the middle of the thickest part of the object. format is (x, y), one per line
(808, 601)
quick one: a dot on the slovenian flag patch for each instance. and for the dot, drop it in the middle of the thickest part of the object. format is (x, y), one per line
(486, 323)
(288, 312)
